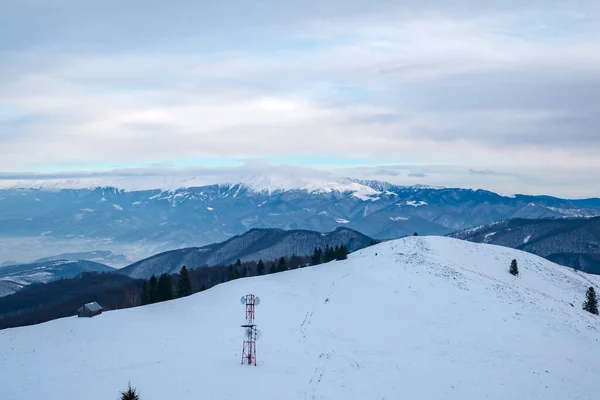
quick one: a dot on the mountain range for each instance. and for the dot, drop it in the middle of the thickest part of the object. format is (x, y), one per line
(573, 242)
(36, 223)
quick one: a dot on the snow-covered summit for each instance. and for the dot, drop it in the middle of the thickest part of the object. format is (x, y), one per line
(256, 177)
(418, 318)
(321, 183)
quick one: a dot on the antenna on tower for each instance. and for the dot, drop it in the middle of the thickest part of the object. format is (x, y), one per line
(251, 333)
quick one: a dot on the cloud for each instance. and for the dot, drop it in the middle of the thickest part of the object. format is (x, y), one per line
(497, 85)
(417, 175)
(481, 172)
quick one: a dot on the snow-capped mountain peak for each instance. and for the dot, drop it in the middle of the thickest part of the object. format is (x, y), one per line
(322, 183)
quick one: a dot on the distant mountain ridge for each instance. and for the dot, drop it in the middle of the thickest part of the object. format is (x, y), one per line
(100, 256)
(256, 244)
(573, 242)
(14, 277)
(150, 221)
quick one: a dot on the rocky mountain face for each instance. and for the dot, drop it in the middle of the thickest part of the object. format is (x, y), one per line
(14, 277)
(257, 244)
(142, 223)
(573, 242)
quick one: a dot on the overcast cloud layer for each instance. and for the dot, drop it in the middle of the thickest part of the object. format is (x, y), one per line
(503, 95)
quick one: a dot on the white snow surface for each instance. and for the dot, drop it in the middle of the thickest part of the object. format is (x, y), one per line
(488, 237)
(311, 183)
(342, 221)
(427, 318)
(416, 203)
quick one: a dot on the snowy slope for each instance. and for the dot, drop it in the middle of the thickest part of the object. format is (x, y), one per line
(417, 318)
(573, 242)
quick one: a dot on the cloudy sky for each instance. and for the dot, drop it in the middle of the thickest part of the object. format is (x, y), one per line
(497, 94)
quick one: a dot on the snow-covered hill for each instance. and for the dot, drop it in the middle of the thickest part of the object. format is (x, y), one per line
(417, 318)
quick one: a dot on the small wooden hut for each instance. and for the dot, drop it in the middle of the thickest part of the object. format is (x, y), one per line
(89, 310)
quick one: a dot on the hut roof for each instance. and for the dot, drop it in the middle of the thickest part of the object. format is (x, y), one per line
(93, 306)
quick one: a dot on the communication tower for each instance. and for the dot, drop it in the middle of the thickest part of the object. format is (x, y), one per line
(251, 333)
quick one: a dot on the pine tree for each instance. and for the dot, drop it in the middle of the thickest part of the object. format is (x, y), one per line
(591, 302)
(238, 263)
(314, 260)
(232, 273)
(342, 253)
(415, 234)
(329, 254)
(145, 293)
(165, 288)
(272, 269)
(184, 285)
(282, 265)
(260, 268)
(153, 289)
(514, 269)
(317, 257)
(130, 393)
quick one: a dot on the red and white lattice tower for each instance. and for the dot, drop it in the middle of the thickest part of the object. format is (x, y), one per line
(251, 333)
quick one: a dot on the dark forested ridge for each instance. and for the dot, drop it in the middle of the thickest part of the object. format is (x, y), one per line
(573, 242)
(254, 245)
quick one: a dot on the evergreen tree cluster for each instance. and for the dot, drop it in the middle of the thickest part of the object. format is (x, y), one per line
(321, 256)
(189, 281)
(156, 290)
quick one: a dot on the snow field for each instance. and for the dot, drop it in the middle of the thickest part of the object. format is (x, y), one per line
(417, 318)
